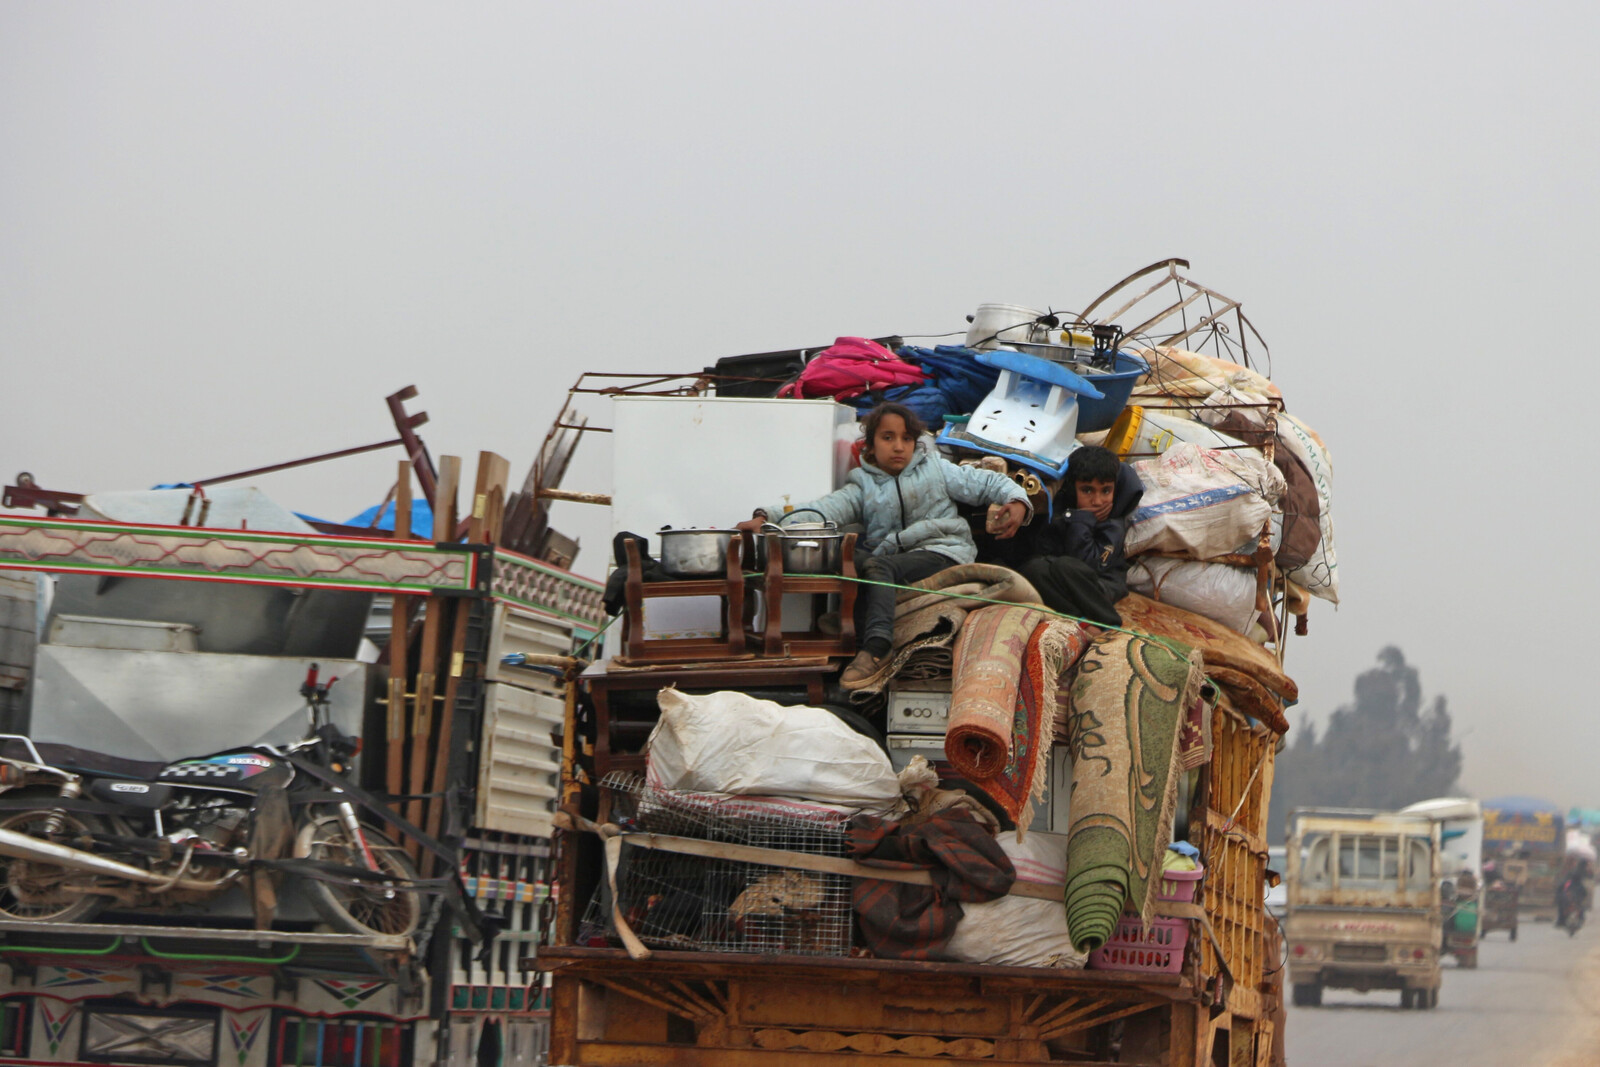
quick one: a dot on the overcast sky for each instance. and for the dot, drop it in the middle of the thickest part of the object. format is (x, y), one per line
(226, 232)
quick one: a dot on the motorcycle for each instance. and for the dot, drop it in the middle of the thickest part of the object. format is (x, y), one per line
(1573, 905)
(80, 830)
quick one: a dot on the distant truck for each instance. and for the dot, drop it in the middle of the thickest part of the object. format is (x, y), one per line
(1364, 909)
(1532, 831)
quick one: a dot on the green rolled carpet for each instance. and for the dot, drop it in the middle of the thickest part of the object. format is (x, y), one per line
(1123, 719)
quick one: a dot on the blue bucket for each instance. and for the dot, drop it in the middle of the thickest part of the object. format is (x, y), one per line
(1096, 415)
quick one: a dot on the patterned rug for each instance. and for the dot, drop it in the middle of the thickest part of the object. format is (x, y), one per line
(1008, 666)
(1248, 673)
(1129, 701)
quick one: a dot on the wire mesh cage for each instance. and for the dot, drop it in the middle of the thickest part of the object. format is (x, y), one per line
(711, 904)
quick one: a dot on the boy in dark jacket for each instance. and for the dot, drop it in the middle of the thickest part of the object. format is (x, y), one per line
(1078, 567)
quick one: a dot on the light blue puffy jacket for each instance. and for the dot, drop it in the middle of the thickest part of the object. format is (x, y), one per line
(915, 509)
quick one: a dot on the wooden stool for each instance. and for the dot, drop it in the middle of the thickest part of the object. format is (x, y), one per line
(730, 587)
(777, 642)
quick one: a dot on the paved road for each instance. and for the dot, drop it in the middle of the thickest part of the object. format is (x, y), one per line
(1535, 1003)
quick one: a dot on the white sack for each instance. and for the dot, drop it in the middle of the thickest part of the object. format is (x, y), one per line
(732, 743)
(1021, 931)
(1320, 574)
(1202, 502)
(1219, 591)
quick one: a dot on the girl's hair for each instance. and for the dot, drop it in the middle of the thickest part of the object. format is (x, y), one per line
(869, 425)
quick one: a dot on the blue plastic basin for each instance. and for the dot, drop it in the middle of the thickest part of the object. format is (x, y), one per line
(1117, 387)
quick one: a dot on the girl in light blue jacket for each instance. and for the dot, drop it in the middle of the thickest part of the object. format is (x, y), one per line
(905, 494)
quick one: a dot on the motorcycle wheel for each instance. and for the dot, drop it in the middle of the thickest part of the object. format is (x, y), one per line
(361, 909)
(31, 890)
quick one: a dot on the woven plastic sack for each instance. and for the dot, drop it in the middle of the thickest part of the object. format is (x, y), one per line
(1319, 576)
(732, 743)
(1021, 931)
(1183, 376)
(1219, 591)
(1202, 503)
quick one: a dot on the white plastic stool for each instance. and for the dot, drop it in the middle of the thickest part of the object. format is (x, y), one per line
(1033, 407)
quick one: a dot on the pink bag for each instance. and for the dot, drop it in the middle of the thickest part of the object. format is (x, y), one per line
(852, 366)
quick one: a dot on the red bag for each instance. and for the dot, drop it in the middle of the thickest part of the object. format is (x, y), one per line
(852, 366)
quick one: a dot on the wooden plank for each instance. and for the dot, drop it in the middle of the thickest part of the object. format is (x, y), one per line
(610, 1054)
(444, 524)
(806, 862)
(483, 527)
(575, 961)
(399, 638)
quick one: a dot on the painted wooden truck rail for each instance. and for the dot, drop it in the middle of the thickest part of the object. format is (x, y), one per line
(720, 1010)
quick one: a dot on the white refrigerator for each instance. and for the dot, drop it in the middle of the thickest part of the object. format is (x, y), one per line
(707, 462)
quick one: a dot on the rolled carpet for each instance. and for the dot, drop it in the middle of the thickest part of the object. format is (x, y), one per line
(1126, 708)
(991, 652)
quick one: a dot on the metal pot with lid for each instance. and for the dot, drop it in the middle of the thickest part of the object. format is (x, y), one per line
(695, 553)
(807, 547)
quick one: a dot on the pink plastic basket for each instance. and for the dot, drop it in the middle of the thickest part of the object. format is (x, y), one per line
(1154, 949)
(1179, 886)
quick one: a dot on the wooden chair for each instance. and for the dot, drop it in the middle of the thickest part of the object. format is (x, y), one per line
(778, 642)
(730, 587)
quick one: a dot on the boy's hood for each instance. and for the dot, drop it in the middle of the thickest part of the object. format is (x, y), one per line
(926, 452)
(1128, 492)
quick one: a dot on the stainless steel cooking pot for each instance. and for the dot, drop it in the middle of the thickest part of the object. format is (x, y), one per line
(695, 553)
(807, 547)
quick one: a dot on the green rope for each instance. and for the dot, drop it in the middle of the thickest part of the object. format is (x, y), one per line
(116, 943)
(1174, 645)
(597, 635)
(209, 957)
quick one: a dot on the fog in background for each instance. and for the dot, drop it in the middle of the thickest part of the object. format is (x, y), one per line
(227, 232)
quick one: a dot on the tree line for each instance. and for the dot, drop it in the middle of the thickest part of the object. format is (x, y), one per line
(1385, 749)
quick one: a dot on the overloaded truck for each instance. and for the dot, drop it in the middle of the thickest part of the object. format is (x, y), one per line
(268, 792)
(702, 921)
(1364, 908)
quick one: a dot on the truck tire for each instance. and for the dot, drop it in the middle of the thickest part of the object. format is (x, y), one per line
(1308, 995)
(1408, 999)
(1513, 933)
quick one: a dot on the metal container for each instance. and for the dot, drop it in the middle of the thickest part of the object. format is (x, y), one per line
(994, 325)
(807, 547)
(695, 553)
(811, 548)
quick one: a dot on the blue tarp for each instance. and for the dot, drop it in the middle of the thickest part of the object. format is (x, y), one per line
(421, 519)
